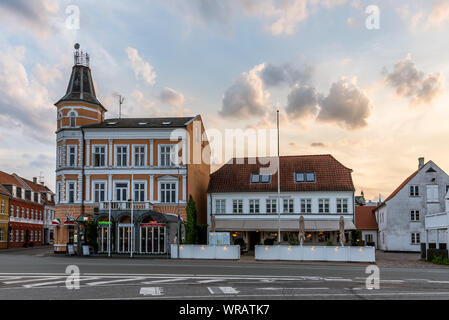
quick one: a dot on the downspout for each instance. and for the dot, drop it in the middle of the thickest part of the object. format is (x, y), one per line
(82, 194)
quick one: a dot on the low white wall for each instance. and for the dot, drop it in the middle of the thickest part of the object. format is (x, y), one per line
(316, 253)
(205, 252)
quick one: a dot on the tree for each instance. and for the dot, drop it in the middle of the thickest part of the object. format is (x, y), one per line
(192, 224)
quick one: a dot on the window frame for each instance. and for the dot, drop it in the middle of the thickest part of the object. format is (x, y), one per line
(69, 154)
(121, 155)
(239, 206)
(220, 206)
(414, 214)
(144, 155)
(94, 191)
(94, 153)
(306, 205)
(163, 199)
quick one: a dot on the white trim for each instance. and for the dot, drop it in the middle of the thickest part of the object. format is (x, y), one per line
(133, 153)
(116, 153)
(68, 146)
(92, 155)
(92, 193)
(168, 180)
(114, 183)
(145, 190)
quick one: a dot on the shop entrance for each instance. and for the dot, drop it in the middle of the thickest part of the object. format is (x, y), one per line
(152, 238)
(254, 240)
(124, 235)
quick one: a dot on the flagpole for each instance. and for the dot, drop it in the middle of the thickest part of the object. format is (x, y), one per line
(279, 185)
(132, 214)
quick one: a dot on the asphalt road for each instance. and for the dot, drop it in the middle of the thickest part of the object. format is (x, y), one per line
(34, 274)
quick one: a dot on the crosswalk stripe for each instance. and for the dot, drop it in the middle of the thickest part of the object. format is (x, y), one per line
(33, 280)
(225, 290)
(165, 280)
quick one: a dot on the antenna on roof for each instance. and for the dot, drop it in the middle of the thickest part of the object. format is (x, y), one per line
(121, 99)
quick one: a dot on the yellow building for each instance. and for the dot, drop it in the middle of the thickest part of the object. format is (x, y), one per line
(4, 217)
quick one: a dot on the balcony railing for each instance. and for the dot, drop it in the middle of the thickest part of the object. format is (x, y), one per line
(126, 205)
(437, 220)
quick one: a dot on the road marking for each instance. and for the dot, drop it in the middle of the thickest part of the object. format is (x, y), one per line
(273, 289)
(340, 280)
(32, 280)
(435, 281)
(225, 290)
(152, 291)
(114, 281)
(55, 282)
(210, 281)
(165, 280)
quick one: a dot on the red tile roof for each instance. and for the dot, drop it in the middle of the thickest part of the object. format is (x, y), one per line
(331, 175)
(365, 218)
(9, 179)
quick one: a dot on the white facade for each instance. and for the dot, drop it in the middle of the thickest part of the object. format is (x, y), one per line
(401, 218)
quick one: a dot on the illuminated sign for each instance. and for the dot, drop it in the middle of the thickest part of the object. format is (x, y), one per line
(104, 222)
(152, 224)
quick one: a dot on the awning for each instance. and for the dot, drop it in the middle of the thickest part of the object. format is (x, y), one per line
(69, 221)
(286, 225)
(56, 222)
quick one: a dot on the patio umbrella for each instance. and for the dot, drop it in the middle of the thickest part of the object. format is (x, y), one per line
(56, 222)
(302, 231)
(342, 231)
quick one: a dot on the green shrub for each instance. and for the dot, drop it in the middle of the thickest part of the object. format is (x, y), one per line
(440, 260)
(293, 240)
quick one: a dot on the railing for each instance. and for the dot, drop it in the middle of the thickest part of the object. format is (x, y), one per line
(126, 205)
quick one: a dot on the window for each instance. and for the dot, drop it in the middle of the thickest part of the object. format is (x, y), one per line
(71, 192)
(166, 156)
(414, 215)
(342, 205)
(22, 235)
(28, 214)
(2, 209)
(432, 193)
(304, 177)
(36, 197)
(72, 156)
(99, 191)
(220, 206)
(271, 206)
(288, 205)
(11, 210)
(414, 191)
(416, 238)
(168, 192)
(23, 213)
(323, 206)
(261, 178)
(2, 235)
(121, 192)
(122, 156)
(306, 205)
(139, 192)
(11, 236)
(139, 156)
(447, 188)
(237, 206)
(32, 214)
(99, 156)
(369, 238)
(254, 206)
(60, 157)
(19, 192)
(72, 116)
(17, 236)
(31, 235)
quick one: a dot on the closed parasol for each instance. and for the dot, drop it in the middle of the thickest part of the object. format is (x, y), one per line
(212, 227)
(342, 231)
(302, 232)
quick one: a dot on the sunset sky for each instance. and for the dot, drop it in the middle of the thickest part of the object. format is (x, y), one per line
(375, 99)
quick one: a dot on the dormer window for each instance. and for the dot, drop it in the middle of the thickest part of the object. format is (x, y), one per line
(301, 177)
(260, 178)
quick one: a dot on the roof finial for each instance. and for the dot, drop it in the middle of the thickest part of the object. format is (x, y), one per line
(81, 58)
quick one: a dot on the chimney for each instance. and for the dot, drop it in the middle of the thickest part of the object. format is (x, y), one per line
(421, 163)
(35, 180)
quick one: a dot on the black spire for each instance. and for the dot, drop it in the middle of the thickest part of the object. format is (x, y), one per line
(81, 86)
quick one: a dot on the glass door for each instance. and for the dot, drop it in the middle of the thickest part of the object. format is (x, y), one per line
(124, 239)
(103, 239)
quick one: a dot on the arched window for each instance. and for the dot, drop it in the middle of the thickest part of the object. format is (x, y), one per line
(72, 116)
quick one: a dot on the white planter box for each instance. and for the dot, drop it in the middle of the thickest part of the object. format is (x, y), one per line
(316, 253)
(205, 252)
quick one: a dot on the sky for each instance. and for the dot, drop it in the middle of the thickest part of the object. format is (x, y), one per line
(365, 81)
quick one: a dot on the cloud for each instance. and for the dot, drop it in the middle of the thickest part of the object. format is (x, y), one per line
(302, 102)
(142, 69)
(171, 97)
(412, 83)
(24, 98)
(318, 145)
(33, 15)
(439, 13)
(274, 75)
(280, 16)
(246, 97)
(346, 105)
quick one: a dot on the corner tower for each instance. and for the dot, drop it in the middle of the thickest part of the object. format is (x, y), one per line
(80, 105)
